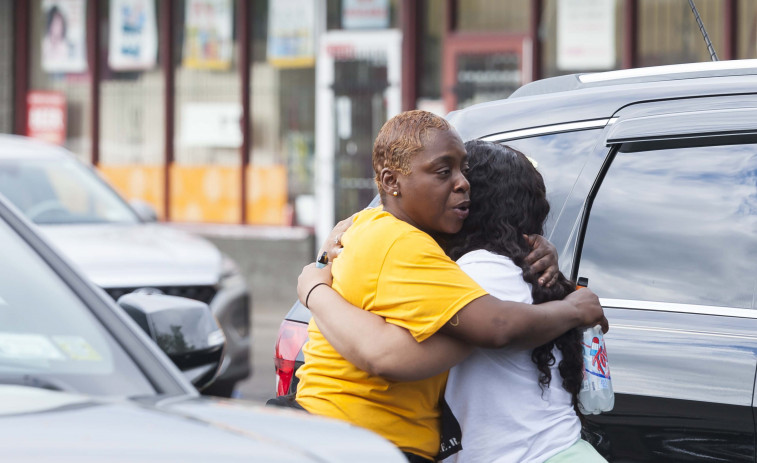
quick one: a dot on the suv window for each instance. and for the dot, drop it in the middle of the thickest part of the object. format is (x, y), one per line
(559, 158)
(676, 225)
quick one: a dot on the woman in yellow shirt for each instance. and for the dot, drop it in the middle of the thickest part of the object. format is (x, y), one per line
(393, 266)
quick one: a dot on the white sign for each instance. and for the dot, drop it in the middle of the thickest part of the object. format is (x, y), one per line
(586, 35)
(64, 44)
(365, 14)
(133, 41)
(211, 125)
(291, 33)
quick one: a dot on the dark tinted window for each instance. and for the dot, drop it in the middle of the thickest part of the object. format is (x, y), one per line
(560, 158)
(676, 225)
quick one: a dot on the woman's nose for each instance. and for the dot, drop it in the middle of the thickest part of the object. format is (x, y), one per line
(462, 183)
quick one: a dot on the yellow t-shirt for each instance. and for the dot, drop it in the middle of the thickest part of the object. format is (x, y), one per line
(399, 272)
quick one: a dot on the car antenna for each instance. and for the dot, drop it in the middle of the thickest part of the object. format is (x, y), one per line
(710, 48)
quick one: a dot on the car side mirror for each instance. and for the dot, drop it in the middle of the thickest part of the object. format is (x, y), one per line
(144, 210)
(184, 329)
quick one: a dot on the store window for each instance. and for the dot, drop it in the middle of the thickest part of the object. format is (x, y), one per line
(59, 69)
(746, 25)
(668, 32)
(510, 16)
(581, 42)
(282, 104)
(430, 55)
(484, 67)
(132, 93)
(206, 174)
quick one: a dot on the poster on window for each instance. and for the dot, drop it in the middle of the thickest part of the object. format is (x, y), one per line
(133, 41)
(64, 41)
(46, 116)
(208, 34)
(586, 35)
(291, 33)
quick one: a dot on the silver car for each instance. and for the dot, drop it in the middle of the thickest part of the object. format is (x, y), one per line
(122, 249)
(80, 381)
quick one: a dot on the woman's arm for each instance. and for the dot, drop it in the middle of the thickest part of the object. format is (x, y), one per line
(490, 322)
(368, 341)
(486, 321)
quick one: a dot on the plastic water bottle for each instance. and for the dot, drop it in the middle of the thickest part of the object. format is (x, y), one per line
(596, 395)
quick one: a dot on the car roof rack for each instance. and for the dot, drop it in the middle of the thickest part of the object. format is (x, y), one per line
(637, 75)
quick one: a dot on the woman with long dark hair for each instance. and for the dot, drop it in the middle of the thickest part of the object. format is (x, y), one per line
(513, 404)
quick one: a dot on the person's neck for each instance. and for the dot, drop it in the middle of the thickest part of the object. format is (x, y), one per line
(393, 208)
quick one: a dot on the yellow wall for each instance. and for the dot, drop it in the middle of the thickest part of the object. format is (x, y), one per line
(267, 196)
(207, 193)
(138, 182)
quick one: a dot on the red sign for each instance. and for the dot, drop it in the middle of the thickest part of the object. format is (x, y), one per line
(46, 116)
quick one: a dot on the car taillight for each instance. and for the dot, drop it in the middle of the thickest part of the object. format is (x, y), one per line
(292, 336)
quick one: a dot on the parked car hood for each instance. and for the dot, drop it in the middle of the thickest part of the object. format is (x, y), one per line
(129, 255)
(40, 425)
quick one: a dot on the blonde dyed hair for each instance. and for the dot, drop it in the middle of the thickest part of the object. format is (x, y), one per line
(401, 138)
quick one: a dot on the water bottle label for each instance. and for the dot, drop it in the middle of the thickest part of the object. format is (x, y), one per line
(596, 369)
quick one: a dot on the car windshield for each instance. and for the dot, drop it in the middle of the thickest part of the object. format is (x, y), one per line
(61, 191)
(49, 338)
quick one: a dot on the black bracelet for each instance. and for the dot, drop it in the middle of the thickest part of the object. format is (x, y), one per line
(311, 290)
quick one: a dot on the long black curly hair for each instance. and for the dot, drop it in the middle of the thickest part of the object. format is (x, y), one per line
(508, 201)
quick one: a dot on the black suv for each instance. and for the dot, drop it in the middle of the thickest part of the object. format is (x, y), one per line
(652, 179)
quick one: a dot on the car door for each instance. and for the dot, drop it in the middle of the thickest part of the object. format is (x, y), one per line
(668, 241)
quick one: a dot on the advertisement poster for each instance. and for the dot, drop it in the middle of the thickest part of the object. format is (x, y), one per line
(207, 34)
(133, 41)
(291, 33)
(46, 116)
(64, 41)
(586, 35)
(365, 14)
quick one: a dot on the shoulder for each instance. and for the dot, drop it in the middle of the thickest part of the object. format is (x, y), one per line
(379, 228)
(482, 257)
(497, 274)
(379, 241)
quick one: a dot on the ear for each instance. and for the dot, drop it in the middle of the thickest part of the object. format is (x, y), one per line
(389, 180)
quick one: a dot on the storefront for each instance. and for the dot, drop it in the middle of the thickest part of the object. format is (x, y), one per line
(263, 112)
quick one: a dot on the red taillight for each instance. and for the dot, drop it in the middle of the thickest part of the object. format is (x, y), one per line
(292, 335)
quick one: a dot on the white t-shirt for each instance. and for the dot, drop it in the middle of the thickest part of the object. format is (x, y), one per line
(495, 395)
